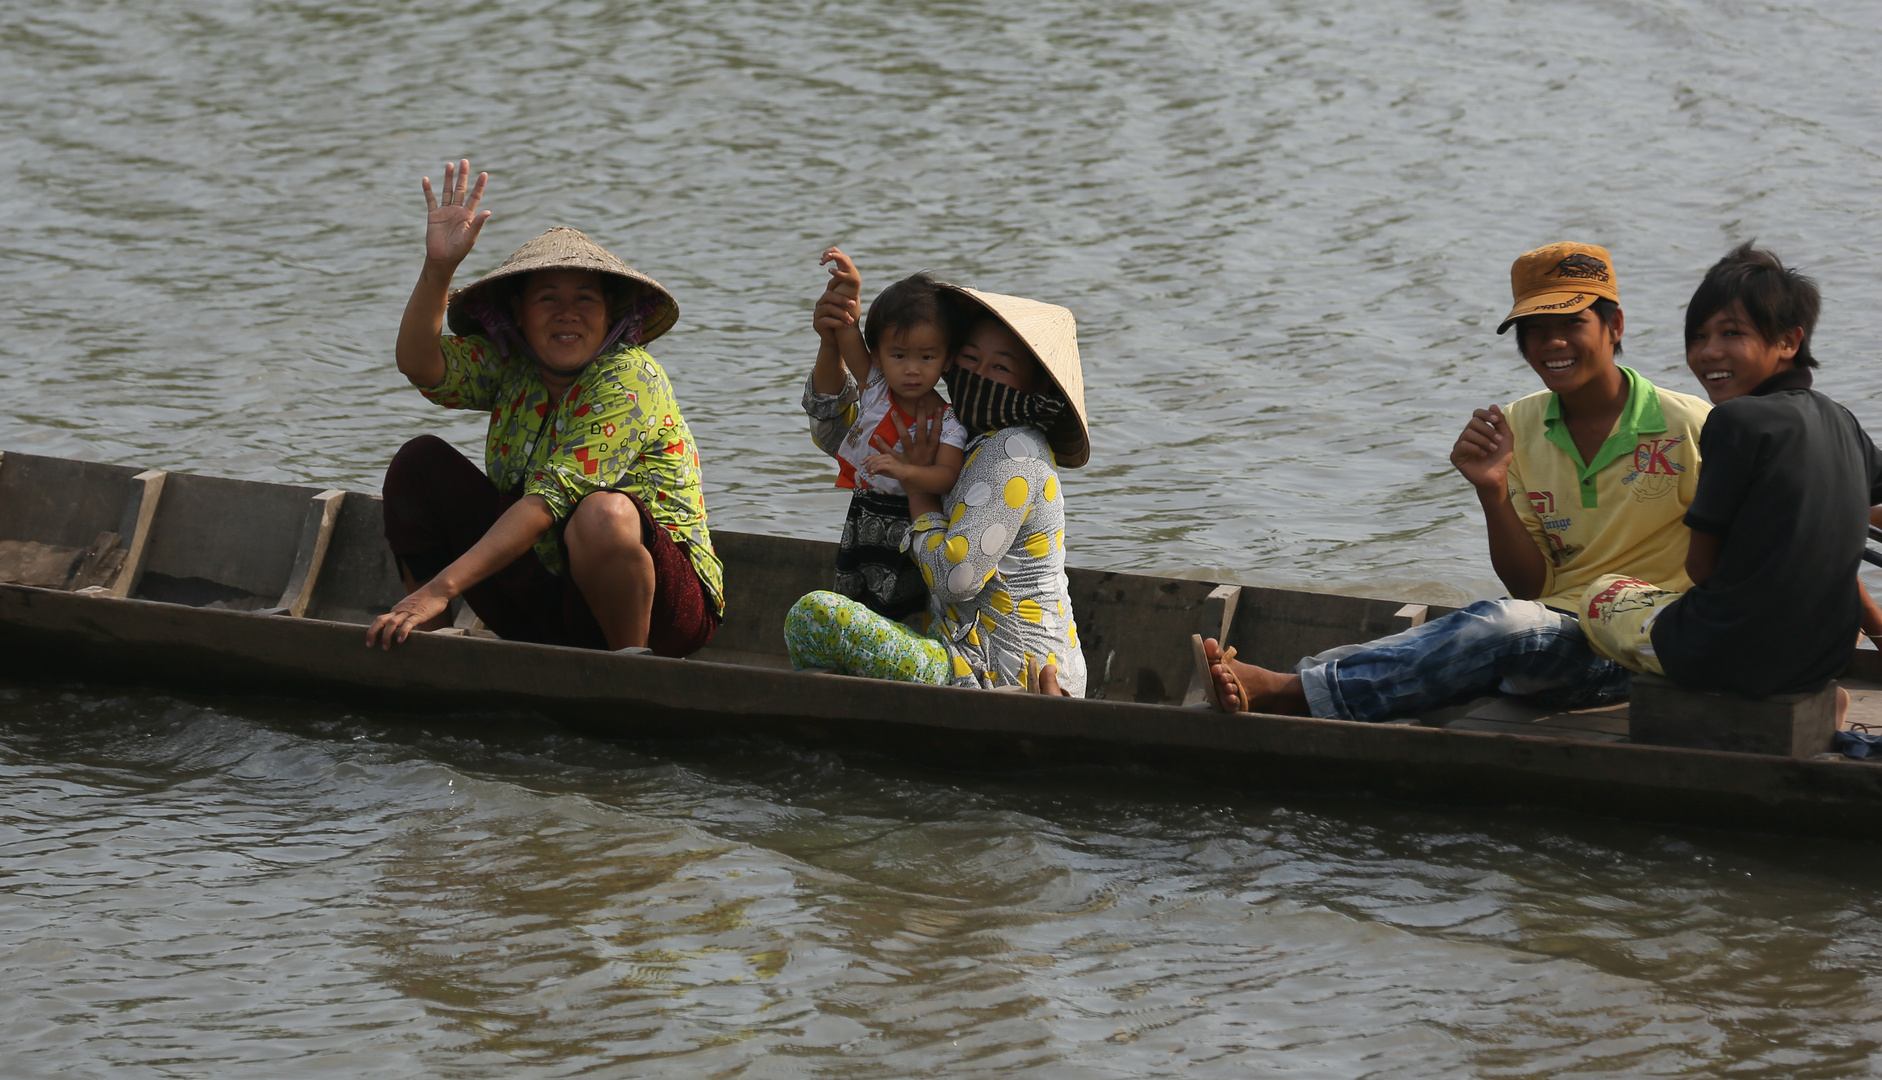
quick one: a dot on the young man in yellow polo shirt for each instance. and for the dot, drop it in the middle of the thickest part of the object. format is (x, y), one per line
(1587, 477)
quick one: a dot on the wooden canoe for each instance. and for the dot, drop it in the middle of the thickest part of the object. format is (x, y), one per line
(110, 573)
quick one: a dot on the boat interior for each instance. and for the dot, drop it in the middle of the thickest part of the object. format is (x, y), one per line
(306, 552)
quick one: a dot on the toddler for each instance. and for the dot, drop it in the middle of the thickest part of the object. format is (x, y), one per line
(896, 356)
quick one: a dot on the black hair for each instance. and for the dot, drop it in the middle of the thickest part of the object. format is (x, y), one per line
(617, 293)
(913, 301)
(1774, 297)
(1603, 308)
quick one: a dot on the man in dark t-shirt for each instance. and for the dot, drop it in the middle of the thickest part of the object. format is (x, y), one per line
(1780, 517)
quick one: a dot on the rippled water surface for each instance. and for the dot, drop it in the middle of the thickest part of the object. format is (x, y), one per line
(1285, 230)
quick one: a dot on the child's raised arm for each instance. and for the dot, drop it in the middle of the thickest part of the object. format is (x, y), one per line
(832, 314)
(846, 291)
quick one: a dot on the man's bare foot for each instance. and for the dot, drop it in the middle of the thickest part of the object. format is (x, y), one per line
(1842, 709)
(1267, 691)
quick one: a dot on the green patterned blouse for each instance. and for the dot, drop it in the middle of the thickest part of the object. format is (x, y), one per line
(617, 429)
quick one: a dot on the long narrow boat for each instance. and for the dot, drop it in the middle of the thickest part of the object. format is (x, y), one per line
(111, 573)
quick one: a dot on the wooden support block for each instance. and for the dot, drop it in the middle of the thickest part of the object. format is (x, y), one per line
(1218, 613)
(141, 512)
(1789, 725)
(316, 536)
(1414, 614)
(46, 566)
(102, 562)
(466, 618)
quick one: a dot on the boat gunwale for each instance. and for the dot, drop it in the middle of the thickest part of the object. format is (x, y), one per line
(810, 705)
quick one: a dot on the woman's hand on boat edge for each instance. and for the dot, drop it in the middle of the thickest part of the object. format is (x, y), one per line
(451, 218)
(414, 611)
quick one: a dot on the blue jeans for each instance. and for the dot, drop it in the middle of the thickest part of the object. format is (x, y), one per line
(1516, 646)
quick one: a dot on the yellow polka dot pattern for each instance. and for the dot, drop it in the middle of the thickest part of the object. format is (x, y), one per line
(993, 558)
(1017, 492)
(961, 670)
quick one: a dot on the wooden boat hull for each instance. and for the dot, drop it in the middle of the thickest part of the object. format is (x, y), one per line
(1135, 645)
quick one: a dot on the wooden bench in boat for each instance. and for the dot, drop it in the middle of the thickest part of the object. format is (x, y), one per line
(198, 582)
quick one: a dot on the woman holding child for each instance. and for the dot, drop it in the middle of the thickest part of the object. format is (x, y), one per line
(589, 528)
(987, 536)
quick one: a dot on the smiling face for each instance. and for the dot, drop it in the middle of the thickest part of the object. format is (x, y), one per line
(912, 359)
(1731, 357)
(995, 352)
(1569, 352)
(564, 316)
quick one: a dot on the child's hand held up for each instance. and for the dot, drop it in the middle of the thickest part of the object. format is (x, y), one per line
(845, 279)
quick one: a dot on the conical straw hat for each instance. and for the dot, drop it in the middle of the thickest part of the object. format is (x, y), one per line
(1052, 334)
(563, 248)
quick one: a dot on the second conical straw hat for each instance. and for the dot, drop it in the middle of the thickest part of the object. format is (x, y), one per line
(1052, 334)
(563, 248)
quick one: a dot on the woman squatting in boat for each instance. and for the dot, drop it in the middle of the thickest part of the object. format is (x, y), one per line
(587, 525)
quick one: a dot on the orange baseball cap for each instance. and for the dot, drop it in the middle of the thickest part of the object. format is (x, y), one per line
(1560, 279)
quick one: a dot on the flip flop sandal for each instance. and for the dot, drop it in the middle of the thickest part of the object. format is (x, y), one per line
(1210, 690)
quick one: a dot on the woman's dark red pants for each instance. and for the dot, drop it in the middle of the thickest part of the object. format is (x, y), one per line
(437, 504)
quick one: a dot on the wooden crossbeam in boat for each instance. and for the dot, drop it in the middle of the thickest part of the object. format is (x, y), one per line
(140, 514)
(323, 511)
(1413, 614)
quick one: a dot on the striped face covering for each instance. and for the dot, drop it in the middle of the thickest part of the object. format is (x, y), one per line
(982, 405)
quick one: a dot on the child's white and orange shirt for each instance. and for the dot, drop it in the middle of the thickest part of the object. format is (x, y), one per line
(874, 407)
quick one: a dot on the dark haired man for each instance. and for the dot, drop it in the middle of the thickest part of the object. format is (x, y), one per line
(1587, 477)
(1779, 520)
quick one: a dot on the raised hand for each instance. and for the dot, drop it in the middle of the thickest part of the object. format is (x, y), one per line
(834, 312)
(845, 279)
(452, 221)
(1482, 451)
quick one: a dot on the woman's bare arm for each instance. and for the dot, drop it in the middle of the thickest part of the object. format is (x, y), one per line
(451, 227)
(514, 533)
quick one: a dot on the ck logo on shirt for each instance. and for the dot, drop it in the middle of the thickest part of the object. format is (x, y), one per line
(1655, 473)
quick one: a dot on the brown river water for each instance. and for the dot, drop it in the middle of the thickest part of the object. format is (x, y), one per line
(1285, 229)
